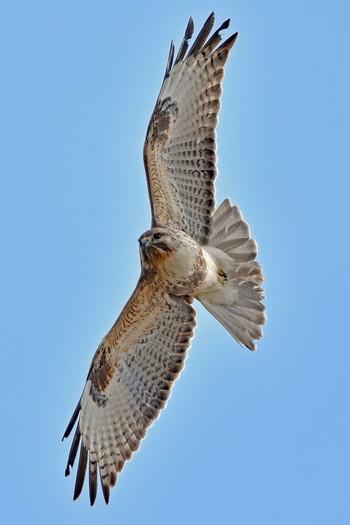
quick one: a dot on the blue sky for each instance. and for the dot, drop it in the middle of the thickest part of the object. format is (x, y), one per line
(246, 438)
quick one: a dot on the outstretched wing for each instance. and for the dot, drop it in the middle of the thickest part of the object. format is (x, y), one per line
(129, 382)
(180, 146)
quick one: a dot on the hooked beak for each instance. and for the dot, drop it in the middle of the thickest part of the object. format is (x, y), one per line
(143, 242)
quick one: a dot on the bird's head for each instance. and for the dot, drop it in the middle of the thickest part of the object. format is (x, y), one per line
(157, 244)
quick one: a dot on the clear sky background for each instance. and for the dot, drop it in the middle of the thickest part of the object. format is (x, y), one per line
(246, 438)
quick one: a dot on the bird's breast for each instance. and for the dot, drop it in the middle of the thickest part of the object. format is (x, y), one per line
(184, 270)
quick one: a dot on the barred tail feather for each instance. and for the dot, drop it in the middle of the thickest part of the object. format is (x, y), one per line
(239, 312)
(237, 303)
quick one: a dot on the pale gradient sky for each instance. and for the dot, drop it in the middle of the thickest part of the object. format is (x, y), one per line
(246, 438)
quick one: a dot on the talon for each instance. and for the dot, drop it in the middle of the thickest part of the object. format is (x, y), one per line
(222, 273)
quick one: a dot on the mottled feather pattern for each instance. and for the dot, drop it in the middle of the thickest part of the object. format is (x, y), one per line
(139, 388)
(190, 252)
(180, 148)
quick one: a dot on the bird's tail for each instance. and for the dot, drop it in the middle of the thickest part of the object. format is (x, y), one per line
(237, 303)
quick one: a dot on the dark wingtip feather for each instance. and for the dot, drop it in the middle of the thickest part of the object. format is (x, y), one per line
(92, 482)
(170, 59)
(106, 492)
(73, 451)
(72, 421)
(216, 38)
(189, 29)
(228, 44)
(225, 25)
(79, 482)
(202, 35)
(105, 486)
(184, 44)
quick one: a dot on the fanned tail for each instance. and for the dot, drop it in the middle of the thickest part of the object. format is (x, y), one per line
(237, 303)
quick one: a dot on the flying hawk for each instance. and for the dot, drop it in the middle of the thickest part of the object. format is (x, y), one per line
(191, 251)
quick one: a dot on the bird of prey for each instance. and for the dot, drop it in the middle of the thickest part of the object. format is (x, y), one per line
(192, 251)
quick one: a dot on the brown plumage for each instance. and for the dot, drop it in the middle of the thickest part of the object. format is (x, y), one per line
(190, 252)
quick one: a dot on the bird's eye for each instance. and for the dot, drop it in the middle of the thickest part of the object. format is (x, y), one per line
(157, 236)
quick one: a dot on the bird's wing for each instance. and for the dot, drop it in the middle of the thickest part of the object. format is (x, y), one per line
(129, 382)
(180, 147)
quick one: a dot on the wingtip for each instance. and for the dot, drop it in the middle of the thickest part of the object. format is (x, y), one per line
(229, 43)
(225, 24)
(210, 19)
(79, 481)
(106, 493)
(189, 29)
(202, 35)
(93, 499)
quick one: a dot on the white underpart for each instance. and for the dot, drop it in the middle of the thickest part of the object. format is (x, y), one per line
(212, 281)
(232, 291)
